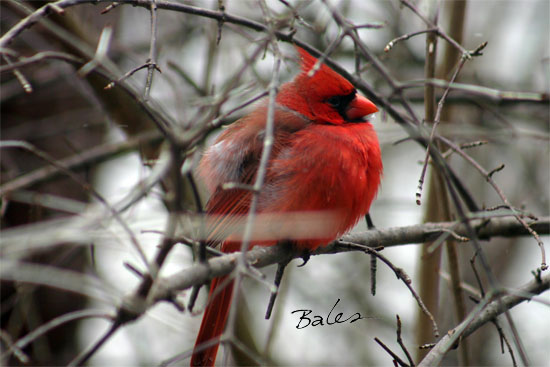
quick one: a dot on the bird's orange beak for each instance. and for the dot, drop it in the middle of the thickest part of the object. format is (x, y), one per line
(359, 108)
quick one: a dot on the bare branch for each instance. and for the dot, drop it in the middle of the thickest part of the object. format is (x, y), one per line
(263, 256)
(486, 314)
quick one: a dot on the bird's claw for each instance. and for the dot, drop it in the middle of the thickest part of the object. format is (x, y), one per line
(305, 257)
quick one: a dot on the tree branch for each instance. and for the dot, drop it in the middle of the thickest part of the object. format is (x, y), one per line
(491, 310)
(263, 256)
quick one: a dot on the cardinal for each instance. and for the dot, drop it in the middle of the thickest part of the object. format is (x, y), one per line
(325, 158)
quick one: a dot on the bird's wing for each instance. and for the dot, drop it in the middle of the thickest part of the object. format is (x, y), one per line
(227, 208)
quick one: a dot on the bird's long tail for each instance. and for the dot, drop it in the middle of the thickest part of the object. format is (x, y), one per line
(213, 322)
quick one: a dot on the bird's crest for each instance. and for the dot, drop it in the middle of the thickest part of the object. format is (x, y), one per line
(324, 80)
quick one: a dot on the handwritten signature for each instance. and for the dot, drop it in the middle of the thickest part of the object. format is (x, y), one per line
(317, 320)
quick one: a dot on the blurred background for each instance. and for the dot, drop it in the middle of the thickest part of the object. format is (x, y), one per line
(64, 253)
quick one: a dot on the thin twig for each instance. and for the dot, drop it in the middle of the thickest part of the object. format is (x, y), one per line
(27, 87)
(492, 94)
(52, 324)
(499, 192)
(278, 277)
(437, 118)
(185, 76)
(400, 274)
(391, 353)
(39, 57)
(86, 354)
(152, 60)
(430, 24)
(400, 341)
(131, 72)
(373, 267)
(405, 37)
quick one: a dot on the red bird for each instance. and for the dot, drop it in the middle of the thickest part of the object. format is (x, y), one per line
(325, 159)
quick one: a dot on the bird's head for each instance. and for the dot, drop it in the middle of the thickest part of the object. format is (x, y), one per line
(323, 95)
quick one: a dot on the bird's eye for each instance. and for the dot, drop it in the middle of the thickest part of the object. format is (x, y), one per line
(335, 101)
